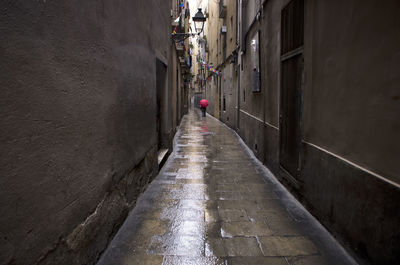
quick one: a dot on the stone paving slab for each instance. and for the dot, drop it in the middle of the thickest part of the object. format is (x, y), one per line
(242, 246)
(213, 204)
(256, 260)
(234, 229)
(307, 260)
(287, 246)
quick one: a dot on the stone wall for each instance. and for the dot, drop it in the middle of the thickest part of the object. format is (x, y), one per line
(78, 125)
(88, 239)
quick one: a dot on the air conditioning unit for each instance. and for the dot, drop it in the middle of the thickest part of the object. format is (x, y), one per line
(223, 29)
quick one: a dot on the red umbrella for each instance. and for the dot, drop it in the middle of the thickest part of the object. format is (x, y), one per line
(204, 103)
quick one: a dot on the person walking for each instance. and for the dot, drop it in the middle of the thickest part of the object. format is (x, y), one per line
(203, 106)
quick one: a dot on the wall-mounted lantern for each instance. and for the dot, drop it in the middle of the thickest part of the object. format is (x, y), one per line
(198, 20)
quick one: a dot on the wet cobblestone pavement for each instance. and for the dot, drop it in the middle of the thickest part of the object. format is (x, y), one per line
(213, 203)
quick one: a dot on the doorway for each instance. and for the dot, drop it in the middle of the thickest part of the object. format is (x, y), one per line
(161, 75)
(292, 67)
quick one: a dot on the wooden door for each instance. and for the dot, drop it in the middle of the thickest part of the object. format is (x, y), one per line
(292, 32)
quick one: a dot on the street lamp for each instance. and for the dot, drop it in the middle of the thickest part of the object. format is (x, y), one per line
(198, 20)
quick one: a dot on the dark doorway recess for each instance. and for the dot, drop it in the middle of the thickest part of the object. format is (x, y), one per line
(161, 75)
(162, 110)
(292, 39)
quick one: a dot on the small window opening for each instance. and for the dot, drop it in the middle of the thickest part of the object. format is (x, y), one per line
(224, 104)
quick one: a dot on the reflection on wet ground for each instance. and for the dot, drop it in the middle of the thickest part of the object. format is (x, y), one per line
(212, 203)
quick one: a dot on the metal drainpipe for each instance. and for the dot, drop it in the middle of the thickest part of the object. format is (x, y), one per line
(238, 48)
(243, 18)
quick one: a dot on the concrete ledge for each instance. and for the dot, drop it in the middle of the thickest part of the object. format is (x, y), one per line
(162, 157)
(358, 207)
(89, 239)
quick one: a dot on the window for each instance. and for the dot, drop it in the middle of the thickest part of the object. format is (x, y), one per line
(231, 77)
(224, 47)
(231, 30)
(292, 26)
(255, 62)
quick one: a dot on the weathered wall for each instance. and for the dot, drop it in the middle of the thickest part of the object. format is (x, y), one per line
(173, 90)
(349, 171)
(78, 127)
(226, 87)
(258, 115)
(351, 123)
(357, 207)
(354, 81)
(270, 28)
(211, 94)
(212, 34)
(230, 22)
(229, 85)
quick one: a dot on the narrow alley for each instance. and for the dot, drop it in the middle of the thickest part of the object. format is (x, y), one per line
(213, 203)
(199, 132)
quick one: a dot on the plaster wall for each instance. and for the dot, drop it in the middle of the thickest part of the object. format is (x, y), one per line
(213, 26)
(214, 35)
(77, 113)
(230, 22)
(211, 94)
(174, 79)
(229, 80)
(349, 170)
(251, 105)
(351, 100)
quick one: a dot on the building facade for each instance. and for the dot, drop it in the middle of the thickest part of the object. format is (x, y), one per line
(312, 89)
(91, 92)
